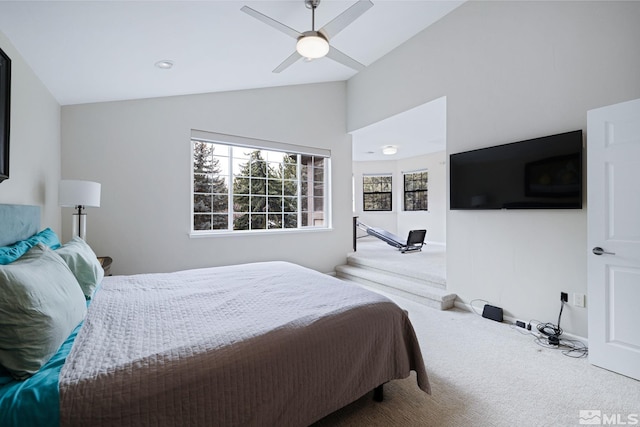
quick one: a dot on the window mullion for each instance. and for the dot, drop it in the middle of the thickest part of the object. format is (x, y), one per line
(299, 184)
(230, 189)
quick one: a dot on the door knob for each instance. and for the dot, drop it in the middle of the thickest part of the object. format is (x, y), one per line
(599, 251)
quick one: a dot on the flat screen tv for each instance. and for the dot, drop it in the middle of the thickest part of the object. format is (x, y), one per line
(540, 173)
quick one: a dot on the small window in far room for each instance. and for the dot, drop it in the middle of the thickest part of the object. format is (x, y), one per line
(416, 192)
(377, 192)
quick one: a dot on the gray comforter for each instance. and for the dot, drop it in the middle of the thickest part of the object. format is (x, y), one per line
(260, 344)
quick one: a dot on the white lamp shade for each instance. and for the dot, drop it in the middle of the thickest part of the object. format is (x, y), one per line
(312, 46)
(79, 193)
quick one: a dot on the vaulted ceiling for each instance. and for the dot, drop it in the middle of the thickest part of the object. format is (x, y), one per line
(94, 51)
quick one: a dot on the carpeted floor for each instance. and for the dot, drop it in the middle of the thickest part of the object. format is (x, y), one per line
(485, 373)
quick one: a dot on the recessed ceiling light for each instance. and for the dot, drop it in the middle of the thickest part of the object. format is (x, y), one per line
(389, 150)
(165, 64)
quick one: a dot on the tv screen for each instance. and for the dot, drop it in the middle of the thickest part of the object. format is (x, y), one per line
(541, 173)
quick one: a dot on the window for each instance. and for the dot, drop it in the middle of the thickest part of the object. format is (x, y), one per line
(241, 187)
(416, 191)
(376, 192)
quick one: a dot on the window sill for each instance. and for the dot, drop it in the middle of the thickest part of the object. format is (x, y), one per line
(238, 233)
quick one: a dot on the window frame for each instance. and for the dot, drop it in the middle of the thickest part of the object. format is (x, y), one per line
(301, 152)
(414, 191)
(388, 194)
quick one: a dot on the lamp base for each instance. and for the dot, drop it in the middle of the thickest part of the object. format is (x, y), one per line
(80, 225)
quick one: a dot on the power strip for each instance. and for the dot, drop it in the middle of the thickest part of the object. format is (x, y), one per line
(525, 325)
(530, 327)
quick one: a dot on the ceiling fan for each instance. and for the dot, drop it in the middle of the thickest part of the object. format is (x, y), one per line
(315, 44)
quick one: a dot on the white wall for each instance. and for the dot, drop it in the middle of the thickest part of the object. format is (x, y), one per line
(398, 221)
(140, 152)
(34, 169)
(434, 221)
(512, 71)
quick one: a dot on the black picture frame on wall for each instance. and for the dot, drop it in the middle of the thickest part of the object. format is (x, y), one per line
(5, 113)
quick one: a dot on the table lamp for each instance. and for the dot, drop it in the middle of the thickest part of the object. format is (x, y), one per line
(79, 194)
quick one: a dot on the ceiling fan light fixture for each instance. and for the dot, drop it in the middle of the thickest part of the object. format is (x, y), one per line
(312, 46)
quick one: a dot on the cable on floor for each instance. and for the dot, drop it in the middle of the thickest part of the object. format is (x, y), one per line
(570, 348)
(473, 308)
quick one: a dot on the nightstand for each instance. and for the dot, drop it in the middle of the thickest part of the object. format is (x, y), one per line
(105, 262)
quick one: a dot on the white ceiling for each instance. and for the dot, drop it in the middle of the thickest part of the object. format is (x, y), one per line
(421, 130)
(94, 51)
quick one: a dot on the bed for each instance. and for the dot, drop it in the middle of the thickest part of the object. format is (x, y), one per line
(256, 344)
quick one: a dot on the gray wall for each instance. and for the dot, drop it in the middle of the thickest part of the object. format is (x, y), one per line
(34, 169)
(512, 71)
(140, 152)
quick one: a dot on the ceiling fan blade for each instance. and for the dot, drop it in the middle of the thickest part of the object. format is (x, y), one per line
(288, 62)
(345, 18)
(340, 57)
(271, 22)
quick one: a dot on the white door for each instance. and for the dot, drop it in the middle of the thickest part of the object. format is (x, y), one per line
(613, 209)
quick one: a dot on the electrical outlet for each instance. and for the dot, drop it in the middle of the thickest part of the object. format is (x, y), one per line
(579, 300)
(564, 296)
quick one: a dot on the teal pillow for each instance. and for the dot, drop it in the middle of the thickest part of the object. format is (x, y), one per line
(41, 303)
(83, 263)
(47, 237)
(9, 254)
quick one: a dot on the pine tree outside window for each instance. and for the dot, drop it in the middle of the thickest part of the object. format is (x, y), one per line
(377, 192)
(416, 192)
(245, 188)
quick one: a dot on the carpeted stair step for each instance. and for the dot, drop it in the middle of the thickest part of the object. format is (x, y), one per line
(395, 267)
(417, 290)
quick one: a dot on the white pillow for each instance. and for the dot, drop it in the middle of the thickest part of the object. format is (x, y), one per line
(41, 304)
(83, 263)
